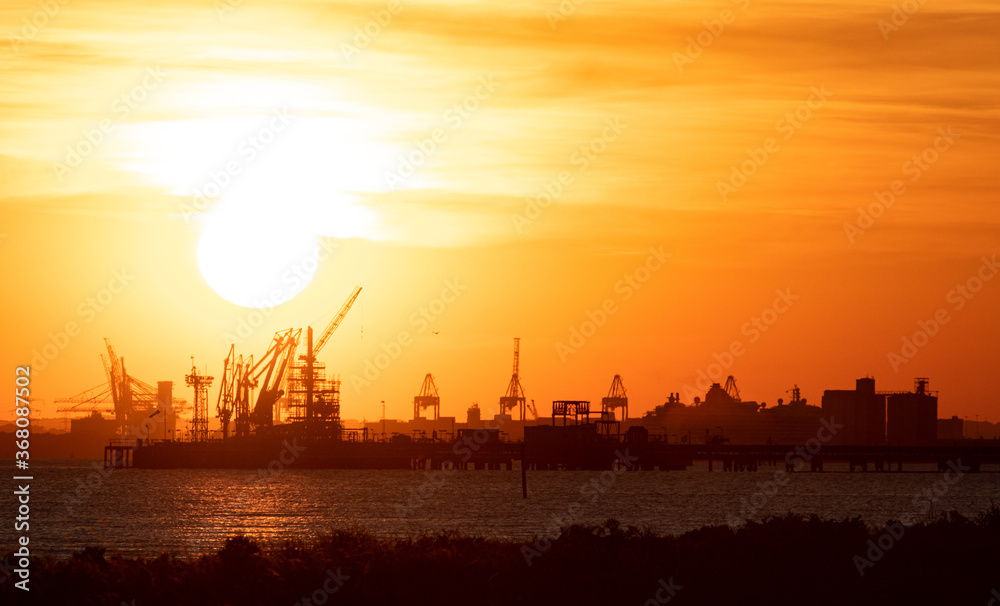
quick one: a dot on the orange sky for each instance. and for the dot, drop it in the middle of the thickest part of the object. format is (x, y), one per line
(637, 118)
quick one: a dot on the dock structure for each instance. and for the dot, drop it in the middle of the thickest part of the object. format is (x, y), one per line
(584, 447)
(118, 454)
(546, 448)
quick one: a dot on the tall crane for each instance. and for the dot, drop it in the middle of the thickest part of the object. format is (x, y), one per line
(95, 399)
(427, 398)
(332, 326)
(234, 393)
(514, 397)
(272, 367)
(227, 389)
(121, 387)
(616, 398)
(129, 398)
(316, 399)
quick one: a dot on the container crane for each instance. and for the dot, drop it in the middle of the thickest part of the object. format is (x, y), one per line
(514, 397)
(617, 398)
(427, 398)
(127, 397)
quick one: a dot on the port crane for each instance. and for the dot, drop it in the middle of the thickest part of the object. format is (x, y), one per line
(332, 326)
(514, 397)
(234, 393)
(427, 398)
(240, 376)
(129, 398)
(310, 397)
(616, 398)
(315, 399)
(269, 372)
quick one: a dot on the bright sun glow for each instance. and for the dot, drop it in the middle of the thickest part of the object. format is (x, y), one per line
(270, 173)
(255, 258)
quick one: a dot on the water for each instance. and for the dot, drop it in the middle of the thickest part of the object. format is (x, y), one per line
(146, 512)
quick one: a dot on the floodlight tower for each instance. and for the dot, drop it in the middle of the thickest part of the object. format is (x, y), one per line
(200, 383)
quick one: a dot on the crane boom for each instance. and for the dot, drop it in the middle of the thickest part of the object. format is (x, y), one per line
(275, 362)
(346, 307)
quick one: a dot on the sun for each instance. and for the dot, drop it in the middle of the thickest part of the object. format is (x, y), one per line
(256, 258)
(263, 167)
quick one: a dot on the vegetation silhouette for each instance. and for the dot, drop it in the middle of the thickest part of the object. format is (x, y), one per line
(789, 559)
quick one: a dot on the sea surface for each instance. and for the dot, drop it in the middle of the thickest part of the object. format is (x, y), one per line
(75, 504)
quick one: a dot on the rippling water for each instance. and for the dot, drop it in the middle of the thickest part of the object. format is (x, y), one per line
(133, 511)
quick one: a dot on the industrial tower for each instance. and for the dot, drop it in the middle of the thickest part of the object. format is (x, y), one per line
(199, 422)
(314, 397)
(427, 398)
(616, 398)
(514, 398)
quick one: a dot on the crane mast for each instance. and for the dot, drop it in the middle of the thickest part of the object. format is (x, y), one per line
(514, 397)
(314, 397)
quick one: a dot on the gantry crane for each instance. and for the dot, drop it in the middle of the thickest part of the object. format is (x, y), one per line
(616, 398)
(514, 397)
(427, 398)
